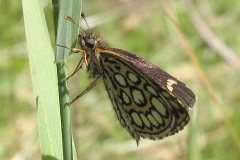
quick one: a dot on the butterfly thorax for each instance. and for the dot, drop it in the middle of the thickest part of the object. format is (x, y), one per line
(89, 43)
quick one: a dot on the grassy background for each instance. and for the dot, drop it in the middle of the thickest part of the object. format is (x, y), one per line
(142, 28)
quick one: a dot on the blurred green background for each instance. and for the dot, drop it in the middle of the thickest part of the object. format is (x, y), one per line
(143, 28)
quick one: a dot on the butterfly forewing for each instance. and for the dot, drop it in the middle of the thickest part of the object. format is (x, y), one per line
(143, 96)
(162, 78)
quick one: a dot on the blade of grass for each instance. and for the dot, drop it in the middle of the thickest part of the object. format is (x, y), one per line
(44, 80)
(66, 35)
(194, 150)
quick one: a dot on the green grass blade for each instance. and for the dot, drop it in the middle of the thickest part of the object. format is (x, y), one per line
(194, 150)
(66, 35)
(44, 79)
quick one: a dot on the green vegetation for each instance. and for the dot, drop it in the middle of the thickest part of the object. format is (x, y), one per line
(142, 28)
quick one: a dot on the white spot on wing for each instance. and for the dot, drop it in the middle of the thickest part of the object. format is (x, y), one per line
(170, 82)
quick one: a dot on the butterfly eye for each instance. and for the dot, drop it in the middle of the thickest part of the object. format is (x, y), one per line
(89, 42)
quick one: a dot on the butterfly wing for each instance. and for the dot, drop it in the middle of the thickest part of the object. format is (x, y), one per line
(165, 80)
(148, 101)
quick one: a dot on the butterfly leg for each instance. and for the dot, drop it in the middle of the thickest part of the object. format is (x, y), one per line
(89, 87)
(79, 66)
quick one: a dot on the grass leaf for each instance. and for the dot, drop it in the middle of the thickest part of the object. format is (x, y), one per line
(44, 80)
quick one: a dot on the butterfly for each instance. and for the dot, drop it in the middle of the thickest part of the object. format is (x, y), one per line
(148, 102)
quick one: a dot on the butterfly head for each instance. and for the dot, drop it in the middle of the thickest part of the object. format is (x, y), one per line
(88, 40)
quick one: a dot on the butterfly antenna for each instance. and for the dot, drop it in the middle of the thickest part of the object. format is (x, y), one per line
(83, 16)
(70, 19)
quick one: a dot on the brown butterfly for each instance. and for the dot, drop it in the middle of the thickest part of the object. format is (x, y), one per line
(148, 102)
